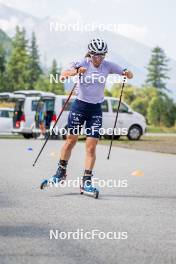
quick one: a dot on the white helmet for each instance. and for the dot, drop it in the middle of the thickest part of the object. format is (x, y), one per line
(97, 46)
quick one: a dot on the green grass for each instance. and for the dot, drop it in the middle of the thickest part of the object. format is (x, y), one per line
(11, 137)
(152, 129)
(166, 144)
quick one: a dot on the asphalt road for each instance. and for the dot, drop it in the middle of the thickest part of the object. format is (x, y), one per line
(145, 210)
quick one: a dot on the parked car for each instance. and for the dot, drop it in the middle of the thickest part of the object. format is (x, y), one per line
(6, 120)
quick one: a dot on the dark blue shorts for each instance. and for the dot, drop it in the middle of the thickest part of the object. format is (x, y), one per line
(41, 117)
(83, 113)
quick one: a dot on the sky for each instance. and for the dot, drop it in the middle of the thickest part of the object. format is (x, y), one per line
(151, 22)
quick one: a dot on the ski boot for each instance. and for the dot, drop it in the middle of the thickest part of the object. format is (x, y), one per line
(59, 177)
(87, 188)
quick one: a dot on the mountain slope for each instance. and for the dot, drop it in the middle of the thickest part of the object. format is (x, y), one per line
(69, 45)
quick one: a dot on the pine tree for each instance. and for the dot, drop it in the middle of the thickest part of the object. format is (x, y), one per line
(157, 69)
(17, 67)
(2, 68)
(57, 88)
(54, 68)
(34, 63)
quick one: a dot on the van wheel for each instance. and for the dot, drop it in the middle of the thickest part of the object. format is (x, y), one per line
(27, 136)
(134, 133)
(35, 135)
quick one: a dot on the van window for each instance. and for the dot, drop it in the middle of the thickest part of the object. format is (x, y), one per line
(123, 107)
(46, 106)
(49, 105)
(68, 106)
(4, 113)
(34, 105)
(104, 106)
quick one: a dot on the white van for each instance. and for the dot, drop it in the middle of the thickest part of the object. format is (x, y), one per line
(29, 106)
(130, 123)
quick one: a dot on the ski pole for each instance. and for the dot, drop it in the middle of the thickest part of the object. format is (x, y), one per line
(117, 113)
(63, 108)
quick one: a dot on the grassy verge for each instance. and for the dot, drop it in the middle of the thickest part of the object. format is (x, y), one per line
(11, 137)
(151, 129)
(151, 143)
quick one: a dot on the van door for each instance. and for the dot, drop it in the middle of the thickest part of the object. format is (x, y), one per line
(18, 116)
(18, 103)
(47, 109)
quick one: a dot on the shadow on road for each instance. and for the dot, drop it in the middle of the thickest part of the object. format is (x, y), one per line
(104, 196)
(138, 196)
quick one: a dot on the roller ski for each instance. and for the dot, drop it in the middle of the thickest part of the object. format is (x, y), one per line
(87, 188)
(59, 177)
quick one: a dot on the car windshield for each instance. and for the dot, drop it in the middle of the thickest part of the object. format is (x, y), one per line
(123, 107)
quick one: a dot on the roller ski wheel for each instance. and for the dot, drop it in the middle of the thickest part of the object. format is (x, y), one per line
(90, 191)
(58, 178)
(53, 181)
(44, 184)
(87, 188)
(96, 194)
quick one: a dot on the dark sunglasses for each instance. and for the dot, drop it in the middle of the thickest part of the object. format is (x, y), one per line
(94, 55)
